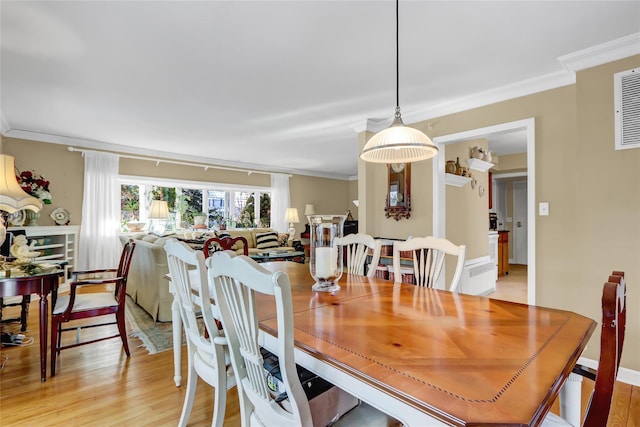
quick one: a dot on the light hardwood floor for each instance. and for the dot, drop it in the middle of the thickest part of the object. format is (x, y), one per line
(96, 385)
(513, 286)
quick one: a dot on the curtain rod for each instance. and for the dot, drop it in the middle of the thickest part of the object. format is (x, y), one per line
(176, 162)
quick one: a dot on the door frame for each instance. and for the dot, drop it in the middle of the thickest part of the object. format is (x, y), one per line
(439, 191)
(516, 234)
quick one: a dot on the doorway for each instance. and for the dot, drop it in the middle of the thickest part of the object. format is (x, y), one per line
(520, 222)
(439, 197)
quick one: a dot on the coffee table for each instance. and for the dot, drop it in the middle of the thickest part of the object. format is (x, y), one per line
(279, 256)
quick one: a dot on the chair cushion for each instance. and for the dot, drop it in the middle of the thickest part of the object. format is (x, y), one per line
(267, 240)
(84, 302)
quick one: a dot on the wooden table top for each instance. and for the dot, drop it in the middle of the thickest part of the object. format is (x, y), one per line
(465, 360)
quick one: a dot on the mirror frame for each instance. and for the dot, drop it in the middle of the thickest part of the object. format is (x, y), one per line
(402, 210)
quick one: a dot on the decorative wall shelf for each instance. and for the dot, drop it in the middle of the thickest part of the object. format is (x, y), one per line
(479, 165)
(455, 180)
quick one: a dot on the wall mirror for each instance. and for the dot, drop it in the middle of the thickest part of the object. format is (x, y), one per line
(398, 204)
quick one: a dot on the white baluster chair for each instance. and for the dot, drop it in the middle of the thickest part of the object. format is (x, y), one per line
(208, 355)
(235, 280)
(357, 248)
(428, 255)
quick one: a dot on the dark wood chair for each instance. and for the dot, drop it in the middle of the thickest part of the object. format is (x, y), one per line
(76, 305)
(224, 243)
(614, 320)
(23, 302)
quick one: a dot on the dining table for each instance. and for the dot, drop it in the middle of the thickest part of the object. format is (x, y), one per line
(430, 357)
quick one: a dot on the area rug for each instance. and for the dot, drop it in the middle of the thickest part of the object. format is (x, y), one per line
(156, 337)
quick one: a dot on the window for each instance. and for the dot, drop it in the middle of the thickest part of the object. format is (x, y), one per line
(224, 205)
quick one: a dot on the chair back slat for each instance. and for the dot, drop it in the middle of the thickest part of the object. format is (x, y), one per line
(235, 280)
(428, 255)
(123, 271)
(614, 318)
(189, 278)
(356, 248)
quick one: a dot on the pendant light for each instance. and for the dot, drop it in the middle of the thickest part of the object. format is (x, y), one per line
(398, 143)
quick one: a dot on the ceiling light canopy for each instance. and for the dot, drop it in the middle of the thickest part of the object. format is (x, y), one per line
(398, 143)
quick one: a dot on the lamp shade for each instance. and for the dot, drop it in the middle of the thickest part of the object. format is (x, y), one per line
(309, 209)
(398, 144)
(291, 216)
(159, 210)
(12, 197)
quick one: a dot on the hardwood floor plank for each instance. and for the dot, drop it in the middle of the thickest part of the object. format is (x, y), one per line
(619, 415)
(634, 408)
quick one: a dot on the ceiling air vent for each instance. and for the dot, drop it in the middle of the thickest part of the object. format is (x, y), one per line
(627, 105)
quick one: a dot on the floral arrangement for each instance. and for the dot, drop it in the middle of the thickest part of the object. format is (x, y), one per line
(35, 185)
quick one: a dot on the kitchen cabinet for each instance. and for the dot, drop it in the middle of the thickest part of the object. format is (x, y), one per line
(503, 253)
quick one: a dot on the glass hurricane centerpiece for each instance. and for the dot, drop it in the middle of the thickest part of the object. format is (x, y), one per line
(325, 258)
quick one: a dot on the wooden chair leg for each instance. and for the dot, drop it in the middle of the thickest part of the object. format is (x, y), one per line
(55, 343)
(120, 319)
(24, 313)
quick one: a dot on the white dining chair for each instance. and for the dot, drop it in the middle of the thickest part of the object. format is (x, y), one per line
(207, 354)
(428, 255)
(357, 251)
(235, 280)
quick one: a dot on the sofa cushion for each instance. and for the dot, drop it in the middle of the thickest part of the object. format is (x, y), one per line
(247, 233)
(222, 234)
(267, 240)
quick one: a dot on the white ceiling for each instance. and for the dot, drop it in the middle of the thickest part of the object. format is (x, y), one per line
(281, 85)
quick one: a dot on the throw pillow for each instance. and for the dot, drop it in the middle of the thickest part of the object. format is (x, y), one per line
(266, 240)
(283, 238)
(223, 235)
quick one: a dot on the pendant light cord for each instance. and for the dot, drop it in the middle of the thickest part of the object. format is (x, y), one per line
(398, 115)
(397, 59)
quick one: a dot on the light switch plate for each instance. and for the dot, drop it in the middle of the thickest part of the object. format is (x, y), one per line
(543, 209)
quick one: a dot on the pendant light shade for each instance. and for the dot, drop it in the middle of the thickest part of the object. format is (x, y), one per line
(398, 143)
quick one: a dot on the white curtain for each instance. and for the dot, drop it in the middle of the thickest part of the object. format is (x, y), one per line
(280, 201)
(99, 243)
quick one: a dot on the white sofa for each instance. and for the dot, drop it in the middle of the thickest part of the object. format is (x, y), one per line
(147, 283)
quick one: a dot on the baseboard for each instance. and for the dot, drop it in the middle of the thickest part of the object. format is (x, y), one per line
(625, 375)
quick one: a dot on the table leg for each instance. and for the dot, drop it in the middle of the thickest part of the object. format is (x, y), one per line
(44, 319)
(176, 326)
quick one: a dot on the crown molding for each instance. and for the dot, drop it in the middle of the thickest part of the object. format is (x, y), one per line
(614, 50)
(157, 155)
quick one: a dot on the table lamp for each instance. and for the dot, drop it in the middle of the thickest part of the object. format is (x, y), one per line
(291, 216)
(159, 211)
(309, 210)
(12, 197)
